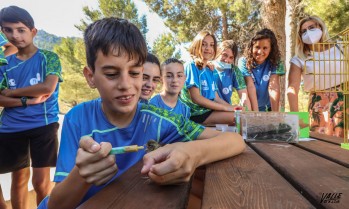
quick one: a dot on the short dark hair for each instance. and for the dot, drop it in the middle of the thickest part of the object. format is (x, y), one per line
(152, 59)
(14, 14)
(171, 60)
(117, 35)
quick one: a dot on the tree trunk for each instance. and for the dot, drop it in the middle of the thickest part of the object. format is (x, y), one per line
(297, 13)
(225, 25)
(273, 17)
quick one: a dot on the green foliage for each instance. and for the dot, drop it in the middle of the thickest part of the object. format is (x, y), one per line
(44, 40)
(164, 47)
(112, 8)
(187, 18)
(335, 13)
(74, 88)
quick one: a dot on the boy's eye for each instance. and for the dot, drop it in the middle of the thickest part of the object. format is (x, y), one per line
(110, 75)
(156, 80)
(135, 74)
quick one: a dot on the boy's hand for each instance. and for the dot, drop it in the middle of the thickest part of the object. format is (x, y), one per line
(170, 164)
(5, 92)
(37, 100)
(95, 164)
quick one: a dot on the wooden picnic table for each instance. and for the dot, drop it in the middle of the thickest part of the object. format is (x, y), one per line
(310, 174)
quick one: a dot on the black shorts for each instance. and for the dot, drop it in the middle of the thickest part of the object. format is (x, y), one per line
(201, 118)
(40, 143)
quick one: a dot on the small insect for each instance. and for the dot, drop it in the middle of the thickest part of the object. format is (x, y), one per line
(152, 145)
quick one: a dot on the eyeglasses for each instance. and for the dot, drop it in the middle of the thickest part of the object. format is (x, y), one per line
(310, 27)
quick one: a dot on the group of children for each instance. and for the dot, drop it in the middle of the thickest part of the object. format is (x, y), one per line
(204, 85)
(125, 75)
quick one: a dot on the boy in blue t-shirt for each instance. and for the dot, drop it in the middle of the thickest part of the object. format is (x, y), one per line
(173, 79)
(229, 75)
(115, 52)
(29, 121)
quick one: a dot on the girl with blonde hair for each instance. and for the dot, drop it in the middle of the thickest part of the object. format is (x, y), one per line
(200, 90)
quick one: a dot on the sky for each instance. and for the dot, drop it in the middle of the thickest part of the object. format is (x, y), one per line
(58, 17)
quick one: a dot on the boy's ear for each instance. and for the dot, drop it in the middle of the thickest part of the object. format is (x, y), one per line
(88, 73)
(34, 31)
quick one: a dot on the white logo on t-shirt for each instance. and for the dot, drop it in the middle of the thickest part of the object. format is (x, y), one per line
(36, 80)
(225, 90)
(12, 83)
(265, 77)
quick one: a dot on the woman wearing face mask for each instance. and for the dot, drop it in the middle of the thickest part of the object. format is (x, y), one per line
(229, 76)
(325, 108)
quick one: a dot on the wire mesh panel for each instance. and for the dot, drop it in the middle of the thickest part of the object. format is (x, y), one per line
(328, 71)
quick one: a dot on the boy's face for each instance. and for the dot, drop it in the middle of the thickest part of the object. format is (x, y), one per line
(151, 78)
(18, 34)
(173, 78)
(118, 81)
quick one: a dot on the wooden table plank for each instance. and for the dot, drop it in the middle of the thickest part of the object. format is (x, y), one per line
(314, 176)
(247, 181)
(132, 191)
(327, 138)
(326, 150)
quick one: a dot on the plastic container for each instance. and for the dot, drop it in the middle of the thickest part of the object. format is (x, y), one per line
(269, 127)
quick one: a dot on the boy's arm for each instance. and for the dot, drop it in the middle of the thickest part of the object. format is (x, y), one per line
(175, 163)
(274, 92)
(94, 165)
(45, 88)
(219, 100)
(252, 94)
(16, 102)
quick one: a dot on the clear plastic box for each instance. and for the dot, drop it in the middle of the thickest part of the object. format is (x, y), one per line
(269, 127)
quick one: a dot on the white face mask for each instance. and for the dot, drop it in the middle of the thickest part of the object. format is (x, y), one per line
(222, 65)
(312, 36)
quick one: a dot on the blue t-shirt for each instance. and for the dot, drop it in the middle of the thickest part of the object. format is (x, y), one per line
(227, 80)
(180, 108)
(20, 74)
(3, 41)
(261, 75)
(204, 80)
(148, 123)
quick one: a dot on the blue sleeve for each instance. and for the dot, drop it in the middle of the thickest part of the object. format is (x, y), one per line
(182, 129)
(191, 72)
(68, 149)
(242, 67)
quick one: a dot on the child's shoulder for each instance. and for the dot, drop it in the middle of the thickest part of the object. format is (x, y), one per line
(47, 53)
(160, 112)
(84, 108)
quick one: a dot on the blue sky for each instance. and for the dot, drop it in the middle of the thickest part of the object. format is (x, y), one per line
(59, 16)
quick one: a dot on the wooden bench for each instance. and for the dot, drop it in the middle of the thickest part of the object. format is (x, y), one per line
(267, 175)
(310, 174)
